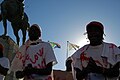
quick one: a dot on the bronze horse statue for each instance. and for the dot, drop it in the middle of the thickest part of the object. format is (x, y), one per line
(13, 11)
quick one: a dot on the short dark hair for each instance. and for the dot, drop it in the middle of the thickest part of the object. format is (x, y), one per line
(34, 32)
(95, 24)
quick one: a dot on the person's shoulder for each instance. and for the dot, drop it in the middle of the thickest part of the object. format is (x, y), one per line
(5, 58)
(45, 43)
(83, 48)
(110, 44)
(79, 51)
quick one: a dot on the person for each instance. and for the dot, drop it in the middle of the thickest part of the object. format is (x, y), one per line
(34, 59)
(98, 60)
(68, 64)
(119, 47)
(4, 64)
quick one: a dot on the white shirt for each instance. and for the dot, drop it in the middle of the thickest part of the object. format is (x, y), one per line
(6, 64)
(103, 55)
(38, 55)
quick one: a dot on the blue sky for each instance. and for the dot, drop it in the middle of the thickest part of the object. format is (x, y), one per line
(65, 20)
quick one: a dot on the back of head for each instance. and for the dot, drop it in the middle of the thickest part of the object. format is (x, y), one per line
(95, 24)
(119, 47)
(34, 32)
(68, 64)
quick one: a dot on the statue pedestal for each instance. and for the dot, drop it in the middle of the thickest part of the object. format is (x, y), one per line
(10, 47)
(62, 75)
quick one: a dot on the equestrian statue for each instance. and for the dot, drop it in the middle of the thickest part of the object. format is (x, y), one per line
(13, 11)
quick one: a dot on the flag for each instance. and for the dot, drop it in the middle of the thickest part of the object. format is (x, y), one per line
(72, 46)
(54, 45)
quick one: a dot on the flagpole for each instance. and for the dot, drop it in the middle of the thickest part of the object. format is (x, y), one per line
(67, 50)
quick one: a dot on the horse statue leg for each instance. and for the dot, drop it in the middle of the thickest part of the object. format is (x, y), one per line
(17, 37)
(3, 17)
(25, 27)
(24, 36)
(15, 30)
(4, 20)
(5, 27)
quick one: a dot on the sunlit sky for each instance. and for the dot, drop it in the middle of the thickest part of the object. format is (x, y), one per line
(65, 20)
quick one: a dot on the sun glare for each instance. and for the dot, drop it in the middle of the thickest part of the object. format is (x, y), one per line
(82, 42)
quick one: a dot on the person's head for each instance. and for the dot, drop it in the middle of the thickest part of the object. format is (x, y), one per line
(68, 64)
(95, 31)
(34, 32)
(119, 47)
(1, 50)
